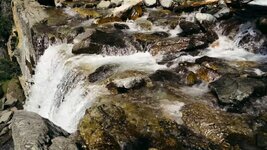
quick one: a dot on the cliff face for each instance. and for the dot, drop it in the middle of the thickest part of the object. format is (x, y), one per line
(25, 13)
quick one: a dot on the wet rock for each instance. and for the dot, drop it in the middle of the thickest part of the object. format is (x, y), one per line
(232, 89)
(116, 2)
(103, 4)
(205, 17)
(150, 3)
(26, 14)
(128, 7)
(121, 26)
(166, 3)
(108, 20)
(163, 17)
(103, 72)
(15, 94)
(88, 13)
(177, 44)
(126, 84)
(62, 143)
(223, 13)
(107, 43)
(165, 76)
(189, 28)
(215, 125)
(31, 131)
(216, 64)
(129, 125)
(133, 13)
(146, 39)
(5, 116)
(144, 24)
(262, 24)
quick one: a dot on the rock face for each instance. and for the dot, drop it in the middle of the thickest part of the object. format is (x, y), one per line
(215, 125)
(177, 44)
(107, 43)
(14, 94)
(131, 126)
(234, 90)
(31, 131)
(26, 14)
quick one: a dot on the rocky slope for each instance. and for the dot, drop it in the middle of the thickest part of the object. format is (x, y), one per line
(172, 74)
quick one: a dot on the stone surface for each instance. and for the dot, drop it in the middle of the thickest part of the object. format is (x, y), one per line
(177, 44)
(107, 43)
(29, 131)
(205, 17)
(214, 124)
(232, 89)
(62, 143)
(166, 3)
(189, 28)
(103, 4)
(15, 93)
(150, 3)
(5, 116)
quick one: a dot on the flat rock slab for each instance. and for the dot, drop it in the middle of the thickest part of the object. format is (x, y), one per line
(5, 116)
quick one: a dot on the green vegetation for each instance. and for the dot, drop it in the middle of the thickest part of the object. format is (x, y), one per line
(5, 27)
(8, 70)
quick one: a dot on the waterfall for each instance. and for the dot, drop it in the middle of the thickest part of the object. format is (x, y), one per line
(61, 91)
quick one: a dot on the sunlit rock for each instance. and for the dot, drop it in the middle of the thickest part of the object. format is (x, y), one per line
(107, 43)
(232, 89)
(216, 125)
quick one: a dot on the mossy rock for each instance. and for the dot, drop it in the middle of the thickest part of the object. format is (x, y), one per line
(135, 121)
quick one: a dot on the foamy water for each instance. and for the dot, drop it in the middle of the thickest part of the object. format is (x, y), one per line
(61, 91)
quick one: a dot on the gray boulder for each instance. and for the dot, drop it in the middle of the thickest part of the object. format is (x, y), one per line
(31, 131)
(62, 143)
(231, 89)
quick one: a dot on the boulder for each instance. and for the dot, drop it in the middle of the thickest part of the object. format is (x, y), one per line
(205, 17)
(62, 143)
(150, 3)
(116, 2)
(128, 123)
(5, 116)
(178, 44)
(103, 4)
(143, 24)
(189, 28)
(107, 43)
(103, 72)
(121, 26)
(31, 131)
(166, 3)
(217, 125)
(14, 94)
(231, 89)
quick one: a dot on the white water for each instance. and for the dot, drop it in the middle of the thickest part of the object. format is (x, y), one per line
(61, 91)
(259, 2)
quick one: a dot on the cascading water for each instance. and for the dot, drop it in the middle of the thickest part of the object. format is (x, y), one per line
(61, 91)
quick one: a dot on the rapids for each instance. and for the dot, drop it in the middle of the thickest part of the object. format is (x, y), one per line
(61, 91)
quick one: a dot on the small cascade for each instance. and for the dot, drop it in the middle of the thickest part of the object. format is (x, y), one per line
(61, 91)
